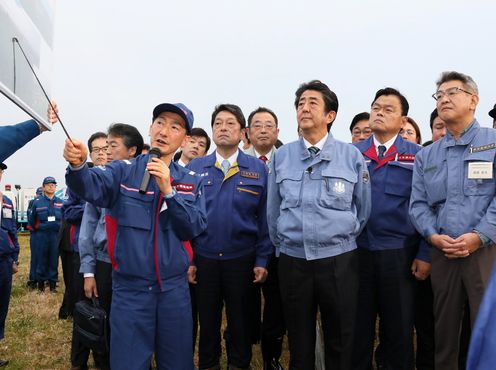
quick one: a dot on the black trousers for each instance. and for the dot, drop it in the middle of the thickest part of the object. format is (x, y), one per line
(273, 324)
(453, 283)
(424, 325)
(103, 276)
(331, 285)
(387, 289)
(70, 295)
(229, 282)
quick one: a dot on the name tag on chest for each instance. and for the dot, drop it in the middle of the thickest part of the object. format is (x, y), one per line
(51, 218)
(6, 213)
(480, 170)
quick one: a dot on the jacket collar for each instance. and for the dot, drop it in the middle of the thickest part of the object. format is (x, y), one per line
(242, 159)
(325, 154)
(465, 138)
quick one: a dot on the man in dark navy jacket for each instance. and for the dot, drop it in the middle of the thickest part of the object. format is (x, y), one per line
(392, 253)
(9, 252)
(235, 250)
(150, 309)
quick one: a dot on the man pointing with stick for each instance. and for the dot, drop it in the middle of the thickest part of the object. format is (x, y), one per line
(151, 310)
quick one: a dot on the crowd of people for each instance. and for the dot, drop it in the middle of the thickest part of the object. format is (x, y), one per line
(380, 239)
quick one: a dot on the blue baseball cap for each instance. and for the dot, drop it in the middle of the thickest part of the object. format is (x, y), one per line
(49, 180)
(178, 108)
(39, 191)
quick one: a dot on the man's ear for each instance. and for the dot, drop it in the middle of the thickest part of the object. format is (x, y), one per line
(132, 151)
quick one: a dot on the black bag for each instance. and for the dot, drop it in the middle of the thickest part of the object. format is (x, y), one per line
(90, 324)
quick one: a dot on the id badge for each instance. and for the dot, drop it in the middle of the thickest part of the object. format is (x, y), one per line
(6, 213)
(480, 170)
(51, 218)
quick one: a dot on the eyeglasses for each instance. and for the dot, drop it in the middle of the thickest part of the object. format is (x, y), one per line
(358, 132)
(408, 132)
(97, 149)
(449, 92)
(258, 126)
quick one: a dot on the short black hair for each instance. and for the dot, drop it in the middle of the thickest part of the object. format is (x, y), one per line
(262, 110)
(129, 134)
(278, 144)
(146, 147)
(96, 135)
(330, 99)
(231, 108)
(434, 115)
(391, 91)
(198, 131)
(359, 117)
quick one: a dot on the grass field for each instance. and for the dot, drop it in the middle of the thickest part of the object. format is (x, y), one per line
(35, 338)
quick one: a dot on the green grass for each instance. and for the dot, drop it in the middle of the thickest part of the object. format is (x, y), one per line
(36, 339)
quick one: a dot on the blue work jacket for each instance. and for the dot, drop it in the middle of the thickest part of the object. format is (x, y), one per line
(236, 210)
(92, 239)
(15, 137)
(389, 225)
(9, 246)
(446, 197)
(46, 213)
(317, 206)
(144, 231)
(72, 211)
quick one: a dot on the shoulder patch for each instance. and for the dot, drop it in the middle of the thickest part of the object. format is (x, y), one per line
(249, 174)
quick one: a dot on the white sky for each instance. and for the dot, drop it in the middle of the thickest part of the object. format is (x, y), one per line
(115, 60)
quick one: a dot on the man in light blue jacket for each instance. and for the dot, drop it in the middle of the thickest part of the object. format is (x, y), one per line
(453, 206)
(318, 203)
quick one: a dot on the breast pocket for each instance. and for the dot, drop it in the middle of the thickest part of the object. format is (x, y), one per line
(136, 210)
(42, 214)
(399, 179)
(248, 194)
(289, 183)
(436, 180)
(336, 189)
(479, 186)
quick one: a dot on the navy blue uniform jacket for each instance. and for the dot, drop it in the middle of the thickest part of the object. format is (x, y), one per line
(145, 231)
(389, 225)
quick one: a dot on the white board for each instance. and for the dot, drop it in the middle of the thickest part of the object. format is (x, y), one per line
(31, 23)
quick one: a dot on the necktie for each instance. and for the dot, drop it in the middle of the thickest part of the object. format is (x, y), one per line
(263, 158)
(313, 151)
(381, 149)
(225, 166)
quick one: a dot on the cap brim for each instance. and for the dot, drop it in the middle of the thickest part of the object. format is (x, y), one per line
(166, 107)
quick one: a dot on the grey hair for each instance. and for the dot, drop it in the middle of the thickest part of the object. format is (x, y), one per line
(467, 81)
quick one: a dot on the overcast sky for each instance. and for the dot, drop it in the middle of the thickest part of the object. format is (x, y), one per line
(113, 61)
